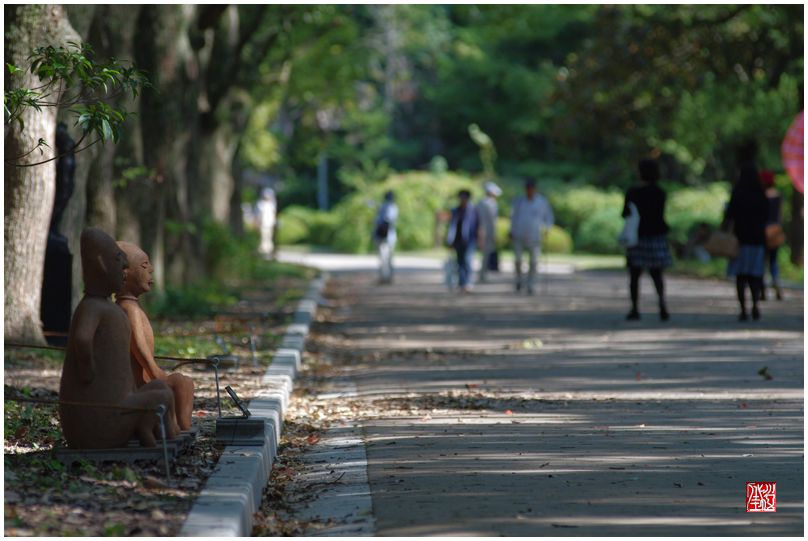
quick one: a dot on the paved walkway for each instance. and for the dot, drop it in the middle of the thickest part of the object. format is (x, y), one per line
(551, 415)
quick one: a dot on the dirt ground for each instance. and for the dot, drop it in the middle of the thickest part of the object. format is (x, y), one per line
(42, 497)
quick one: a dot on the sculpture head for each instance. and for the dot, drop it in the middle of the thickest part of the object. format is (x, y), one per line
(103, 264)
(139, 274)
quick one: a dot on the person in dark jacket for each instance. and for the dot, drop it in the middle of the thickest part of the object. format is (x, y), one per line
(462, 236)
(652, 251)
(748, 209)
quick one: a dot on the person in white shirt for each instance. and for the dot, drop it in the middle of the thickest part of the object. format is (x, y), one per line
(531, 216)
(487, 216)
(385, 237)
(266, 209)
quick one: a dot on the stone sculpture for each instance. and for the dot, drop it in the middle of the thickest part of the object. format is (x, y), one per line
(138, 281)
(99, 405)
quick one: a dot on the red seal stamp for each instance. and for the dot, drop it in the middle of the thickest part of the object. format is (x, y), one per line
(761, 497)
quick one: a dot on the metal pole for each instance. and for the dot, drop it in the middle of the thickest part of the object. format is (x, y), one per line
(161, 412)
(253, 349)
(215, 364)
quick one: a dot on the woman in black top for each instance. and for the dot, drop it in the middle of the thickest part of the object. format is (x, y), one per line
(749, 210)
(652, 251)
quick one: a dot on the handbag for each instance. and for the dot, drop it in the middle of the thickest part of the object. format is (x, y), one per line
(722, 244)
(775, 236)
(630, 235)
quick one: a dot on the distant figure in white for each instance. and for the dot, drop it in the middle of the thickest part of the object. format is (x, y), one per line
(384, 234)
(266, 208)
(487, 216)
(531, 216)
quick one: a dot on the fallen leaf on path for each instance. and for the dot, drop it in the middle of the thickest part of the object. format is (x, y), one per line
(532, 344)
(508, 412)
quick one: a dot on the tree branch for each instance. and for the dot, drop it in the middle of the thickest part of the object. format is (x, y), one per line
(73, 150)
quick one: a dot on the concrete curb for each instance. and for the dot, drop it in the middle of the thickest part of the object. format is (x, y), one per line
(233, 493)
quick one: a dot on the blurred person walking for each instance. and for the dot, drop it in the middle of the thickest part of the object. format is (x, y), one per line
(748, 210)
(462, 236)
(774, 233)
(651, 251)
(487, 211)
(531, 216)
(385, 236)
(267, 209)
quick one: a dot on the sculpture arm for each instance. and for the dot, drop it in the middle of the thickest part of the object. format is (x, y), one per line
(82, 346)
(141, 348)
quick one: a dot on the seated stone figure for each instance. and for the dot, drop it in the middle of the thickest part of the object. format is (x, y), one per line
(96, 368)
(138, 281)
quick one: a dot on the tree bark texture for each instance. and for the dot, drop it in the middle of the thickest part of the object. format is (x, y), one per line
(29, 191)
(168, 114)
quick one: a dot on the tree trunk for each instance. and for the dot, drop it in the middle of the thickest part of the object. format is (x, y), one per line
(29, 191)
(168, 115)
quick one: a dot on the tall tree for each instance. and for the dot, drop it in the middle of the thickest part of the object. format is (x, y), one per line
(29, 190)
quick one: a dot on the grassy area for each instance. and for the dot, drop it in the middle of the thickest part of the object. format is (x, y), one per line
(205, 299)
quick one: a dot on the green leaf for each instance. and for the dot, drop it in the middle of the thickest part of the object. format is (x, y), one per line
(12, 69)
(106, 130)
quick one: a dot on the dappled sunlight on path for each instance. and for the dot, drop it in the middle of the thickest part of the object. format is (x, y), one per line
(552, 415)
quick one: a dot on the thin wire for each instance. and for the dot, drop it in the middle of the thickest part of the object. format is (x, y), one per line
(73, 403)
(187, 360)
(184, 360)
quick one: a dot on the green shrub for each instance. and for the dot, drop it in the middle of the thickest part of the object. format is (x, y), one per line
(193, 301)
(503, 228)
(227, 256)
(322, 228)
(419, 196)
(574, 205)
(293, 225)
(686, 207)
(557, 241)
(598, 233)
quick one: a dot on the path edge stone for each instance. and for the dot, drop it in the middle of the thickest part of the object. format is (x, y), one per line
(233, 493)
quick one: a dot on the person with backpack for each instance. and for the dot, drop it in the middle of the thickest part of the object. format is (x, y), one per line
(384, 234)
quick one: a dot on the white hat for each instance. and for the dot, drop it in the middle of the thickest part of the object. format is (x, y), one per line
(492, 188)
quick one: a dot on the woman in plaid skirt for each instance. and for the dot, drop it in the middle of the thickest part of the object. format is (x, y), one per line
(748, 210)
(652, 251)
